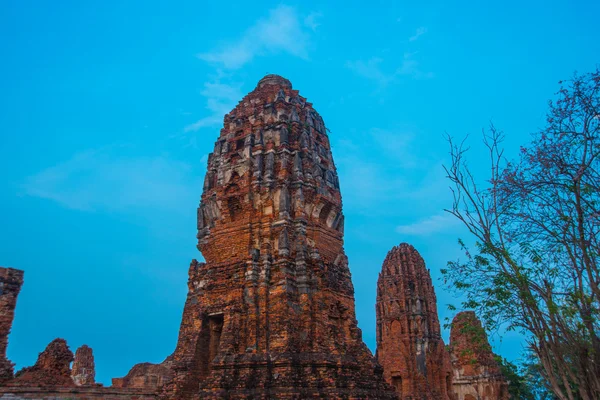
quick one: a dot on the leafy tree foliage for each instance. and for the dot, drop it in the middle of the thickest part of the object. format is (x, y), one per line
(536, 223)
(518, 385)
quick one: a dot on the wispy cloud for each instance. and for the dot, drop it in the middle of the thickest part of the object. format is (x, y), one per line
(283, 30)
(400, 175)
(410, 66)
(433, 224)
(420, 32)
(382, 72)
(372, 69)
(220, 98)
(280, 31)
(312, 20)
(103, 180)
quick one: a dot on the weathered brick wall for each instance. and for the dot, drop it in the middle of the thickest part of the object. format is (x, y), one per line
(477, 375)
(11, 281)
(409, 345)
(147, 376)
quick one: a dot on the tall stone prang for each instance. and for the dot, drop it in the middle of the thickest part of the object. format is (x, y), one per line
(11, 281)
(83, 371)
(270, 314)
(409, 344)
(477, 375)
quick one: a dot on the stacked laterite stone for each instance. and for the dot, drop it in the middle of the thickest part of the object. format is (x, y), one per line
(11, 281)
(84, 371)
(271, 312)
(409, 344)
(477, 375)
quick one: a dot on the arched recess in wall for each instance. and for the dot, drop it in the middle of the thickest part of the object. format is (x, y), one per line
(397, 384)
(234, 206)
(324, 213)
(234, 203)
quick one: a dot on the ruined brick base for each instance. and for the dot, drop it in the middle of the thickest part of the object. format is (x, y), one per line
(62, 393)
(147, 376)
(293, 377)
(483, 387)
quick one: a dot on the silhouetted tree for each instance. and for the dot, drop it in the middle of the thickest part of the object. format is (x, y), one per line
(536, 223)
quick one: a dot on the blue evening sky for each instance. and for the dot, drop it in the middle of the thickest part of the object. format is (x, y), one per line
(108, 110)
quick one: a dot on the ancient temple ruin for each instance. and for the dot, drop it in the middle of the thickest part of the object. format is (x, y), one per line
(270, 314)
(477, 375)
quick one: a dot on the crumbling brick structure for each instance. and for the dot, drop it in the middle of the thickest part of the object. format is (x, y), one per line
(11, 281)
(409, 344)
(52, 368)
(84, 371)
(147, 376)
(271, 312)
(477, 375)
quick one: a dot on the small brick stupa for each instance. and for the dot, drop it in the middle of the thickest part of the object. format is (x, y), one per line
(84, 370)
(477, 375)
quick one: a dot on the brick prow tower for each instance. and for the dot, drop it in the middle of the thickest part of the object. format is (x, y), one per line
(270, 314)
(409, 344)
(11, 281)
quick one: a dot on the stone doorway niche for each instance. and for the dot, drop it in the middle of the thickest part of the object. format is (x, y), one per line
(397, 384)
(208, 343)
